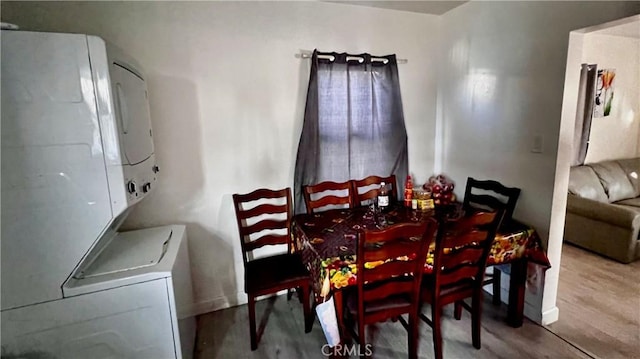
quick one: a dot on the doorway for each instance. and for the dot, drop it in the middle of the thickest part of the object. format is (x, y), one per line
(599, 298)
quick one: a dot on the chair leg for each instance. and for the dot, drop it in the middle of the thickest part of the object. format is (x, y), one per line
(361, 335)
(252, 322)
(298, 291)
(308, 319)
(476, 314)
(457, 312)
(496, 300)
(413, 336)
(436, 312)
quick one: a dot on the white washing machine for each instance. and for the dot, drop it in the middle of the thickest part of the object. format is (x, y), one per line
(77, 154)
(131, 301)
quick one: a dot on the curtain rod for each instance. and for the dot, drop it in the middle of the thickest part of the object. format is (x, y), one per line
(307, 55)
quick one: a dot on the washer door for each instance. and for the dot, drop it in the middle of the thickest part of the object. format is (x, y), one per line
(132, 108)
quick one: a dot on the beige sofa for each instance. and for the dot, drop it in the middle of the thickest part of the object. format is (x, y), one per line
(603, 208)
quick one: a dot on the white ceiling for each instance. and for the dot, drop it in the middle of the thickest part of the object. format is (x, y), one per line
(425, 6)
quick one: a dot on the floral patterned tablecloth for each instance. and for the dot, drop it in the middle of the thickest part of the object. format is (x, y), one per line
(327, 241)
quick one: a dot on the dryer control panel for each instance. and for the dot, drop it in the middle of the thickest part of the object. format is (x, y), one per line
(141, 183)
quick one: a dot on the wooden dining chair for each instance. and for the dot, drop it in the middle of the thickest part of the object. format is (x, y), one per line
(327, 195)
(460, 258)
(366, 189)
(264, 218)
(491, 195)
(390, 267)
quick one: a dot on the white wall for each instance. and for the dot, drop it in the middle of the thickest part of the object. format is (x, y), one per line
(502, 86)
(617, 135)
(227, 100)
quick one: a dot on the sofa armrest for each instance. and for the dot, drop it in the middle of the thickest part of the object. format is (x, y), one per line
(604, 212)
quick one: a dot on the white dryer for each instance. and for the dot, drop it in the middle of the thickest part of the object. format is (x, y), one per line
(77, 153)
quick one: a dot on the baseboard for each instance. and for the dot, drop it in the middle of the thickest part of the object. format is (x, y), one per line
(532, 312)
(218, 303)
(550, 316)
(224, 302)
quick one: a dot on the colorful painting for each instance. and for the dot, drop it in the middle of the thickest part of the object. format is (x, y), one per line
(604, 93)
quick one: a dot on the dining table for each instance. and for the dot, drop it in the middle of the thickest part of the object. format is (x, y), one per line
(327, 242)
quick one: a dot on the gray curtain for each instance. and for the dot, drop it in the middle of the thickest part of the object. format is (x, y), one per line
(353, 123)
(584, 113)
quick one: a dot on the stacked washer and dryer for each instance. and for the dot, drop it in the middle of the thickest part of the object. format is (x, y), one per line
(77, 154)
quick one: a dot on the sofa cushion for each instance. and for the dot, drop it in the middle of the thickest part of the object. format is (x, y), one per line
(614, 180)
(584, 183)
(631, 167)
(633, 202)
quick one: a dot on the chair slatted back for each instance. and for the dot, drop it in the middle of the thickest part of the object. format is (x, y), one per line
(265, 215)
(396, 276)
(490, 195)
(366, 189)
(462, 249)
(338, 194)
